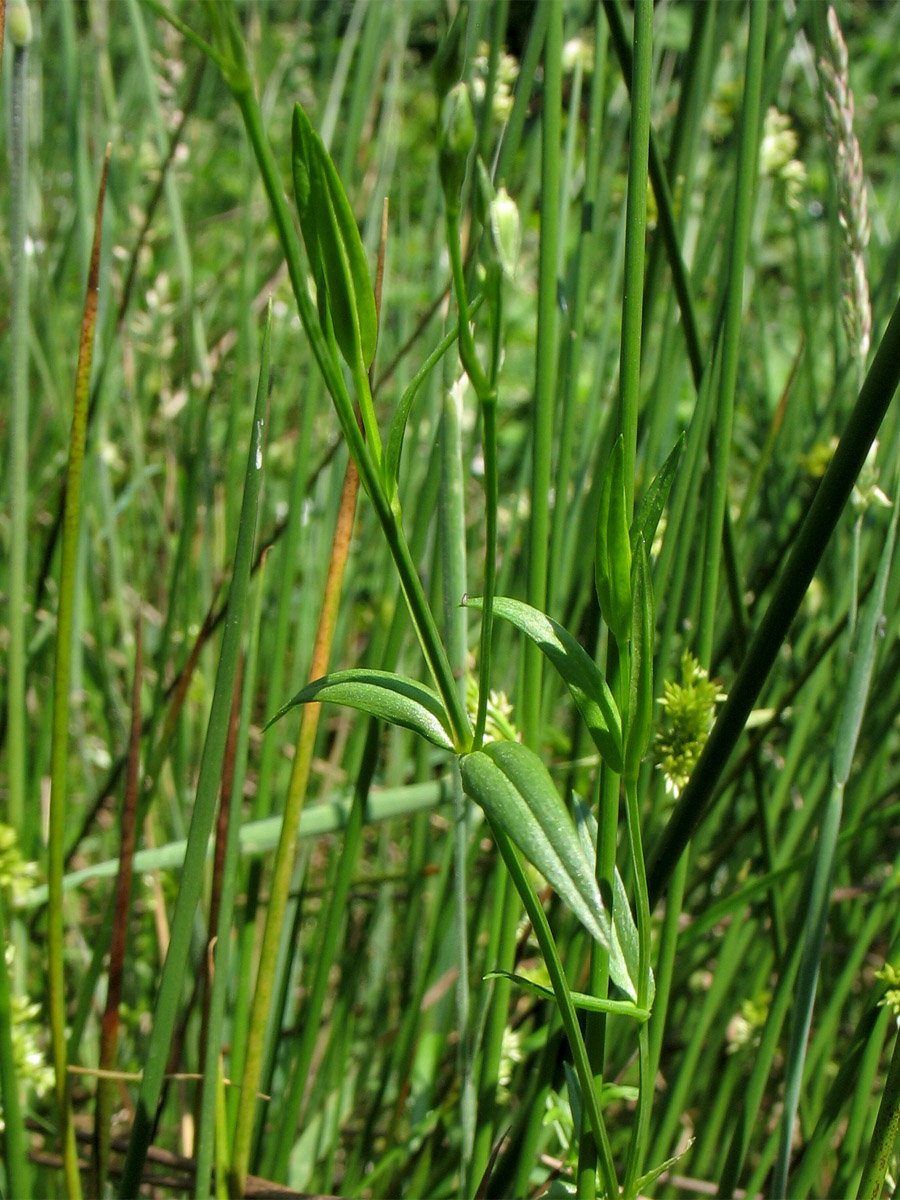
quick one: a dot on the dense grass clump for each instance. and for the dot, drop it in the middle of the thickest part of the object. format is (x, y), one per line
(450, 613)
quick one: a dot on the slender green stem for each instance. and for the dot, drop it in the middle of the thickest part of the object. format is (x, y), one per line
(545, 363)
(17, 608)
(15, 1146)
(635, 239)
(420, 612)
(832, 494)
(744, 195)
(884, 1138)
(567, 1009)
(61, 680)
(172, 981)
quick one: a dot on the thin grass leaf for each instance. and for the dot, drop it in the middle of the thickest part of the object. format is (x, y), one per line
(61, 683)
(577, 670)
(381, 694)
(173, 973)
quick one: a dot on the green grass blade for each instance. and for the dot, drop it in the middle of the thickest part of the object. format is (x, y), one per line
(172, 980)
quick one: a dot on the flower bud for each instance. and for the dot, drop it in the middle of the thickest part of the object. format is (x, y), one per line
(18, 22)
(506, 228)
(455, 140)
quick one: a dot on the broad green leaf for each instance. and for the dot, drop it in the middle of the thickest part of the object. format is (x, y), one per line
(579, 999)
(647, 519)
(380, 694)
(332, 237)
(515, 790)
(623, 919)
(577, 669)
(640, 688)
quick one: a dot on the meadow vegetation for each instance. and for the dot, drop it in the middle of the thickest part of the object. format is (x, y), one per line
(450, 616)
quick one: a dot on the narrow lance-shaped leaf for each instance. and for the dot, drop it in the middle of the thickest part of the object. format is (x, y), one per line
(515, 790)
(330, 232)
(380, 694)
(647, 519)
(577, 669)
(623, 920)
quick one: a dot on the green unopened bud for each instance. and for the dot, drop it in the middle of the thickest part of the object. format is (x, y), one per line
(18, 22)
(455, 140)
(506, 228)
(612, 564)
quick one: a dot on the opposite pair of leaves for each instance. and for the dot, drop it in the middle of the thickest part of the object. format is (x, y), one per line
(335, 250)
(514, 788)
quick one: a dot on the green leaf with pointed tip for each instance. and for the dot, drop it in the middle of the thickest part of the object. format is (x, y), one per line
(515, 790)
(651, 507)
(623, 919)
(380, 694)
(301, 165)
(579, 999)
(577, 669)
(326, 219)
(640, 687)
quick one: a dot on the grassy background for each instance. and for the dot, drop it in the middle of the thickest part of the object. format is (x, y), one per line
(366, 1072)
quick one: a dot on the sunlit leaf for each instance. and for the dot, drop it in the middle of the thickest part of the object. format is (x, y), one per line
(515, 790)
(380, 694)
(577, 669)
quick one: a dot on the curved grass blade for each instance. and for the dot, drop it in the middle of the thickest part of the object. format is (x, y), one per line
(577, 669)
(381, 694)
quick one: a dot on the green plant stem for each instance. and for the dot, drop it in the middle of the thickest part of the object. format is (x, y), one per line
(284, 855)
(887, 1123)
(635, 239)
(18, 448)
(817, 914)
(486, 391)
(173, 972)
(15, 1152)
(744, 193)
(61, 678)
(638, 1146)
(388, 515)
(819, 523)
(545, 365)
(566, 1007)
